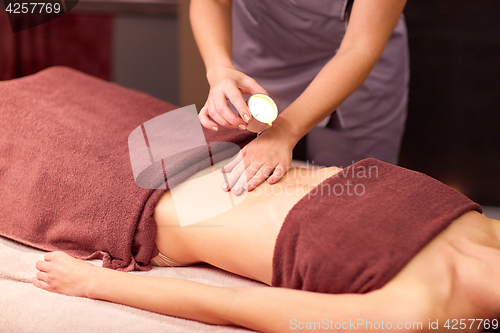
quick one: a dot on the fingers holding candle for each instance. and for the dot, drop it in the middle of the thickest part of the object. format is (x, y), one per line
(227, 83)
(206, 121)
(249, 86)
(239, 103)
(220, 112)
(255, 116)
(210, 118)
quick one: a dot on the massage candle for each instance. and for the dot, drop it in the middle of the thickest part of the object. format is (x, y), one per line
(264, 111)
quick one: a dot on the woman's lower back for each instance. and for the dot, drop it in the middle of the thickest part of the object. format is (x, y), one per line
(241, 239)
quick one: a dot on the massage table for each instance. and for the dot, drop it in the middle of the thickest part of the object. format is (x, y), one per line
(25, 308)
(54, 97)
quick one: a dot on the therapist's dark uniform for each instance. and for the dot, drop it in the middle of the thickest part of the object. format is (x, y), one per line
(283, 44)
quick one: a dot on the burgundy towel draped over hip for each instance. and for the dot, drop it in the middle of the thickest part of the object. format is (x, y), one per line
(356, 230)
(66, 181)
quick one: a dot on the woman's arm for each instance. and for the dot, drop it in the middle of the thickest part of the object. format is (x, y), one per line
(370, 26)
(264, 309)
(212, 28)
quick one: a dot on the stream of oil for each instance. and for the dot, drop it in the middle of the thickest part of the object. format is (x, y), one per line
(257, 148)
(258, 135)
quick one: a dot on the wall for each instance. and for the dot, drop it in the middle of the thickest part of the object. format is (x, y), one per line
(145, 55)
(193, 85)
(453, 128)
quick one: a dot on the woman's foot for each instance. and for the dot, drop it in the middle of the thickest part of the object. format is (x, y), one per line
(63, 274)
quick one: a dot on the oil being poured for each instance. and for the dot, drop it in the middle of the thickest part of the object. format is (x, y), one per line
(257, 142)
(258, 134)
(257, 139)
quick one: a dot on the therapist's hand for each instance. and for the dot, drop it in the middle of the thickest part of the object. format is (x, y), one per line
(269, 159)
(227, 83)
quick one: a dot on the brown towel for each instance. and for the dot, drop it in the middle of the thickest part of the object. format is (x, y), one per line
(66, 181)
(356, 230)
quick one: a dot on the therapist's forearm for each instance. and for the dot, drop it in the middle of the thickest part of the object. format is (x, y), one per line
(212, 28)
(370, 27)
(335, 82)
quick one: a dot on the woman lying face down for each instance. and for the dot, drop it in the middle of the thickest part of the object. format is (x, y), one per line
(370, 242)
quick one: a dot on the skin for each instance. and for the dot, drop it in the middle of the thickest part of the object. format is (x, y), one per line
(455, 276)
(370, 26)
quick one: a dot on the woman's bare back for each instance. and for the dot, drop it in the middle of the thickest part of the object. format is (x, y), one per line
(453, 277)
(241, 239)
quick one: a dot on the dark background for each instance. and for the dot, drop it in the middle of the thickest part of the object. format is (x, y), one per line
(453, 127)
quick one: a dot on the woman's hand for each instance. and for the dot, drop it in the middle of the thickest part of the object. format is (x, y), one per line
(226, 84)
(63, 274)
(267, 157)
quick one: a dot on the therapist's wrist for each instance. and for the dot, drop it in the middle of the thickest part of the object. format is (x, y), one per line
(216, 72)
(286, 130)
